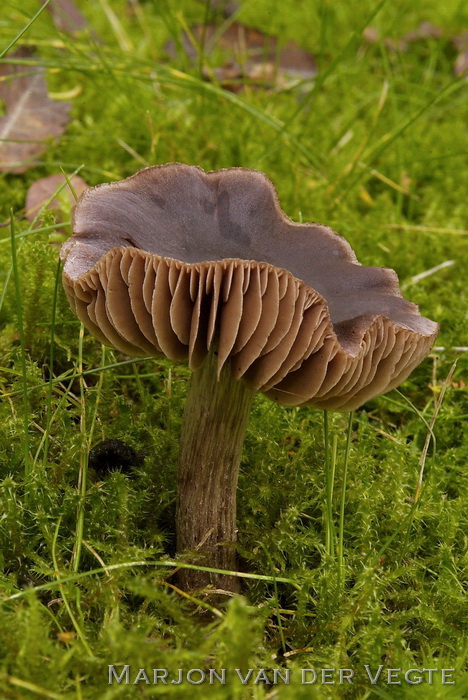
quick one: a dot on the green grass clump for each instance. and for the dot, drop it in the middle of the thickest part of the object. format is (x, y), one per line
(374, 146)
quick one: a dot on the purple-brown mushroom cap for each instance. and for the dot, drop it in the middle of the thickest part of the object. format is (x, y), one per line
(174, 259)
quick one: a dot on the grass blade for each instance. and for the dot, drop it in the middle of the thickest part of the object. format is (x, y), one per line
(19, 312)
(343, 502)
(24, 30)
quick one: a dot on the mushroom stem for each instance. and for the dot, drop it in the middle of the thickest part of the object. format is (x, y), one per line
(214, 424)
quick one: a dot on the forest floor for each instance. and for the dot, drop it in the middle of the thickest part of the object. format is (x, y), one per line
(371, 140)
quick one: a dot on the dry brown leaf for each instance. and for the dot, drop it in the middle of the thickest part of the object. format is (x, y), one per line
(226, 8)
(255, 56)
(66, 16)
(371, 35)
(31, 118)
(460, 43)
(461, 64)
(423, 32)
(42, 190)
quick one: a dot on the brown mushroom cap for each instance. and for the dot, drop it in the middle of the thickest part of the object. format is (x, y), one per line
(173, 259)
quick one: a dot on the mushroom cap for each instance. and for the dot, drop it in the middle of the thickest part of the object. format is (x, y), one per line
(174, 259)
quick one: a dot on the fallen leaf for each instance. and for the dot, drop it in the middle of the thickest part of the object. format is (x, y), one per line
(31, 118)
(253, 56)
(235, 38)
(371, 35)
(66, 15)
(425, 30)
(226, 8)
(460, 43)
(42, 190)
(461, 64)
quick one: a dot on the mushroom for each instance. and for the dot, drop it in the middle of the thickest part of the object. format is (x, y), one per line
(205, 267)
